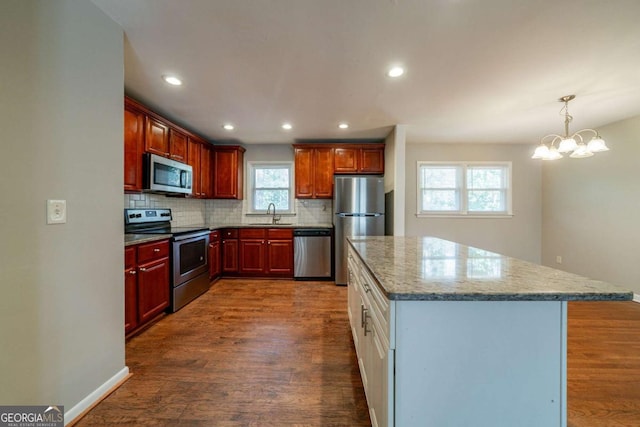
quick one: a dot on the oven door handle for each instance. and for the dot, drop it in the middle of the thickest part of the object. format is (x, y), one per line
(198, 235)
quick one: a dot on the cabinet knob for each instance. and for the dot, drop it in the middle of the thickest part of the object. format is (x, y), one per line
(143, 269)
(132, 272)
(156, 250)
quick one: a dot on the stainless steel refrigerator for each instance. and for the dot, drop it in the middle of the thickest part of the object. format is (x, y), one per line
(358, 205)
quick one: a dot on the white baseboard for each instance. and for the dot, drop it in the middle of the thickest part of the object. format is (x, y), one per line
(636, 297)
(95, 396)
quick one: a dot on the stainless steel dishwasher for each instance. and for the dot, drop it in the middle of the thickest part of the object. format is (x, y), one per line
(312, 257)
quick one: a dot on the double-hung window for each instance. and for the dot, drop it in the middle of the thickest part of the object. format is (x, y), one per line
(270, 183)
(464, 188)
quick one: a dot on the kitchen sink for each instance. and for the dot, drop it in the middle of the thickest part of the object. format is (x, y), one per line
(269, 224)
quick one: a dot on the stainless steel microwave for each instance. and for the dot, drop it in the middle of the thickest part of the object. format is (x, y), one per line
(163, 175)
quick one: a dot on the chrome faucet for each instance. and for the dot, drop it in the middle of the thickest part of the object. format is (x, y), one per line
(274, 220)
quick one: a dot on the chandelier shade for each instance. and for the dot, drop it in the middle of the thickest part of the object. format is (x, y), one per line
(573, 143)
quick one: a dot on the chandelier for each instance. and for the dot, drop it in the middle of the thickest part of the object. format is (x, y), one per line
(569, 143)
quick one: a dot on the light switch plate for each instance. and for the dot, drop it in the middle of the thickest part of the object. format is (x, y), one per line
(56, 211)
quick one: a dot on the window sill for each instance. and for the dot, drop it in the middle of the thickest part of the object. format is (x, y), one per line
(265, 215)
(452, 215)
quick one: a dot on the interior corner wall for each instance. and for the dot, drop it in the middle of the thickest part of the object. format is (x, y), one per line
(62, 309)
(394, 181)
(518, 236)
(590, 209)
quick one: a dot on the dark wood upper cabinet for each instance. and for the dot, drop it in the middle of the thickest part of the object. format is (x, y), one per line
(372, 160)
(133, 146)
(193, 159)
(346, 160)
(359, 159)
(323, 172)
(177, 145)
(314, 172)
(156, 139)
(228, 167)
(206, 171)
(304, 173)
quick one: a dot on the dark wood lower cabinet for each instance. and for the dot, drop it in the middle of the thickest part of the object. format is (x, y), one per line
(153, 289)
(230, 251)
(280, 258)
(215, 255)
(266, 252)
(146, 283)
(252, 254)
(130, 290)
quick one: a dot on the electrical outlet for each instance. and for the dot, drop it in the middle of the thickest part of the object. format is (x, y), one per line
(56, 211)
(559, 259)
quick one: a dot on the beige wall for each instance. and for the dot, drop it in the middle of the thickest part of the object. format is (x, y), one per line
(518, 236)
(591, 208)
(61, 310)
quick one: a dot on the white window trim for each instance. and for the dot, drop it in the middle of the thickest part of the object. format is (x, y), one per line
(463, 213)
(251, 167)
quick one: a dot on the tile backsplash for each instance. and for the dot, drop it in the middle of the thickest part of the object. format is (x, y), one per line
(219, 211)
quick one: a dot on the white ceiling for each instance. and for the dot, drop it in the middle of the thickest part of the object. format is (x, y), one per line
(477, 70)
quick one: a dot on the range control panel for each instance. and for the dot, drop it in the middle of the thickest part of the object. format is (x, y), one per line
(141, 216)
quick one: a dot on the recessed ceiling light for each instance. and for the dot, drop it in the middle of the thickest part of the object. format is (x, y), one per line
(228, 126)
(395, 72)
(287, 126)
(172, 80)
(343, 125)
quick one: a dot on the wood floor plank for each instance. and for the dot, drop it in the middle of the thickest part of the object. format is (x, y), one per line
(279, 353)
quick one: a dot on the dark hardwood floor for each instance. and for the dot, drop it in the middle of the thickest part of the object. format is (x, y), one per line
(246, 353)
(279, 353)
(603, 364)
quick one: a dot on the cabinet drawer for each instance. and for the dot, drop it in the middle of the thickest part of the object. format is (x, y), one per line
(280, 233)
(379, 302)
(129, 257)
(230, 233)
(150, 251)
(214, 235)
(253, 233)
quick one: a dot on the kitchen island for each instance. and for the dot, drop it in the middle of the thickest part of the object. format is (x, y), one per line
(453, 335)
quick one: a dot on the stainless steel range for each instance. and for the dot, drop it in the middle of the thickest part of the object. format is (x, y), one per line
(189, 260)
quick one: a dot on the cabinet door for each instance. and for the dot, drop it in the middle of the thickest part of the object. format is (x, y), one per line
(206, 173)
(156, 138)
(193, 159)
(230, 255)
(252, 257)
(214, 259)
(130, 300)
(153, 288)
(323, 173)
(280, 258)
(304, 172)
(346, 160)
(372, 160)
(177, 145)
(228, 169)
(133, 148)
(377, 363)
(130, 290)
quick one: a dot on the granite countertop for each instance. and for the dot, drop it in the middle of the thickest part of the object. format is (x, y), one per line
(269, 225)
(135, 239)
(428, 268)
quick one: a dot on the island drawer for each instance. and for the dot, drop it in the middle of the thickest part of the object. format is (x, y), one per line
(378, 301)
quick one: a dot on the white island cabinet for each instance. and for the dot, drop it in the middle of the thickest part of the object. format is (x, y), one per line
(448, 335)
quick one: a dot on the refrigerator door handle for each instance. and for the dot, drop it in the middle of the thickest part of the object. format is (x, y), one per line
(344, 215)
